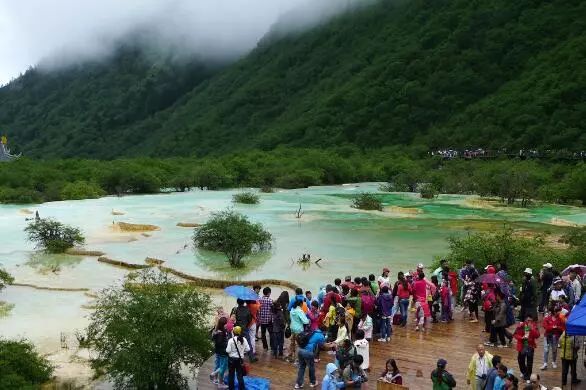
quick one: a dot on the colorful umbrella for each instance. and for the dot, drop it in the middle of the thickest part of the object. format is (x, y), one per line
(490, 279)
(241, 292)
(579, 268)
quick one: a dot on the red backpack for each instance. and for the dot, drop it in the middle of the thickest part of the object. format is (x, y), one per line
(368, 302)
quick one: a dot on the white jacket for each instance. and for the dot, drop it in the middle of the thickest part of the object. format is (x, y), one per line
(234, 347)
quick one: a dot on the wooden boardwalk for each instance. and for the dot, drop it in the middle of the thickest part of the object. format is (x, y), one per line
(416, 354)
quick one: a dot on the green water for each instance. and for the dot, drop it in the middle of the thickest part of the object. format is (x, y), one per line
(349, 241)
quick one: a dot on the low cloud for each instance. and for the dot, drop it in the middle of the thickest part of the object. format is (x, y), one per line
(60, 32)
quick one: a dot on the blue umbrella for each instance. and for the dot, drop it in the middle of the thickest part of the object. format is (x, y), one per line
(241, 292)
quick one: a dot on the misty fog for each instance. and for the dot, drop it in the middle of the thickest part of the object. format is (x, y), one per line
(56, 33)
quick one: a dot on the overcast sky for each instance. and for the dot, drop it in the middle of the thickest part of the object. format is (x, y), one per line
(57, 31)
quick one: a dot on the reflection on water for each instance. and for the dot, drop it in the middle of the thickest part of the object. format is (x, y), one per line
(410, 230)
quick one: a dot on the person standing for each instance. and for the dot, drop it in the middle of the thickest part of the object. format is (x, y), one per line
(499, 323)
(236, 348)
(306, 356)
(478, 368)
(403, 293)
(243, 319)
(576, 286)
(384, 279)
(220, 338)
(277, 330)
(265, 316)
(363, 349)
(528, 296)
(384, 304)
(298, 321)
(254, 308)
(546, 278)
(442, 379)
(569, 347)
(553, 326)
(492, 372)
(420, 293)
(526, 335)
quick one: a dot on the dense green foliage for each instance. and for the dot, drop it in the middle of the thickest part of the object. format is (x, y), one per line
(514, 181)
(515, 251)
(5, 278)
(145, 330)
(21, 367)
(246, 198)
(233, 235)
(367, 201)
(429, 73)
(52, 235)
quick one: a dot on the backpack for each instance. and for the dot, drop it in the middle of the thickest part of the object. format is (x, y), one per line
(397, 319)
(303, 338)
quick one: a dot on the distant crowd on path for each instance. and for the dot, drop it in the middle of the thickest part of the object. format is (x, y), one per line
(343, 318)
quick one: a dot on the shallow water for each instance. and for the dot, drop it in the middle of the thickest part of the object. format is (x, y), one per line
(349, 241)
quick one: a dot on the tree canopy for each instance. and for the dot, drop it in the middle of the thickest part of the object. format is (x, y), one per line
(146, 329)
(232, 234)
(52, 235)
(21, 366)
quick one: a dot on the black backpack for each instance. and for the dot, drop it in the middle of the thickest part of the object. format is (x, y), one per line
(303, 338)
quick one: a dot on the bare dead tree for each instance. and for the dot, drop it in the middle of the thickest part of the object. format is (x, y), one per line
(299, 212)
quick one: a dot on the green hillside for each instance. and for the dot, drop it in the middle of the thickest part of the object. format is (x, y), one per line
(428, 73)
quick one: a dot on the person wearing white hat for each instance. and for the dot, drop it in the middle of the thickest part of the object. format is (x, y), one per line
(557, 294)
(546, 278)
(528, 296)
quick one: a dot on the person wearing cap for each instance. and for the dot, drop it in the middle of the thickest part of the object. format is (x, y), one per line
(442, 379)
(384, 279)
(557, 295)
(528, 296)
(236, 349)
(546, 278)
(478, 368)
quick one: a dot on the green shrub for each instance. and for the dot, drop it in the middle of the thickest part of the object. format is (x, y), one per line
(146, 330)
(507, 248)
(81, 190)
(234, 235)
(5, 278)
(21, 367)
(246, 198)
(53, 236)
(367, 201)
(19, 195)
(267, 189)
(428, 191)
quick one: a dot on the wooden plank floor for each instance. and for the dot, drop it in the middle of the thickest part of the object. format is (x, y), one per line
(416, 354)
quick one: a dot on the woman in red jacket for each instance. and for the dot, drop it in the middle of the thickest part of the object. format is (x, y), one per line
(554, 326)
(526, 335)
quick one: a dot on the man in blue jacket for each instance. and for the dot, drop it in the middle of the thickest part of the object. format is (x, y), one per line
(306, 354)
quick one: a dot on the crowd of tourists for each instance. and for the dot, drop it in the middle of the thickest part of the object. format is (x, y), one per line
(343, 318)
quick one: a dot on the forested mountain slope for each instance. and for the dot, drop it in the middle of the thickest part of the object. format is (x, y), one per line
(491, 73)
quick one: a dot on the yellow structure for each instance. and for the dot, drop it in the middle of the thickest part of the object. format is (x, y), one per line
(4, 140)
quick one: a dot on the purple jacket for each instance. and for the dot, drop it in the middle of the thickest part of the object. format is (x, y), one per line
(385, 304)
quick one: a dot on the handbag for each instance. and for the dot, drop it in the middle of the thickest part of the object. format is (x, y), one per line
(245, 366)
(287, 332)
